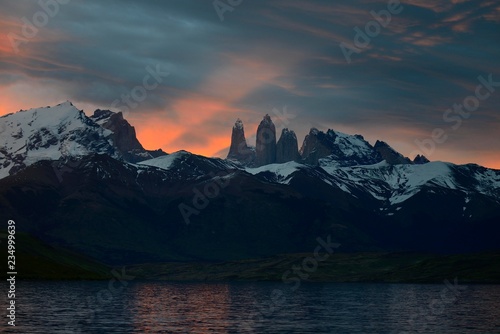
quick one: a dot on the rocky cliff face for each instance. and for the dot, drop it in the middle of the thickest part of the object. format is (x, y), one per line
(332, 146)
(265, 150)
(287, 148)
(123, 136)
(390, 155)
(343, 149)
(239, 150)
(420, 160)
(315, 147)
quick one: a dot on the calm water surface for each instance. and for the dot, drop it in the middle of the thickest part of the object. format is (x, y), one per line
(145, 307)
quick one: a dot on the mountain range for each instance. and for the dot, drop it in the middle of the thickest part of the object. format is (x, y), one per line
(85, 183)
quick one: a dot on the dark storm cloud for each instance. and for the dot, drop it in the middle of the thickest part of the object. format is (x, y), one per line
(114, 41)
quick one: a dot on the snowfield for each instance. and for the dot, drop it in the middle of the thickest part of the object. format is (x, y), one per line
(48, 133)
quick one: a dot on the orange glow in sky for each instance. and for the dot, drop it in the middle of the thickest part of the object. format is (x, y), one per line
(199, 117)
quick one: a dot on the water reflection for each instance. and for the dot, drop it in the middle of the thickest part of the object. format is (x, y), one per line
(144, 307)
(196, 308)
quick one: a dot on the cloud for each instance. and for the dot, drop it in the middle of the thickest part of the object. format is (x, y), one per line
(264, 55)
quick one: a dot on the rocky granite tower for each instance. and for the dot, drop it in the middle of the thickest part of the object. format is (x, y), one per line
(420, 160)
(287, 148)
(239, 150)
(265, 148)
(390, 155)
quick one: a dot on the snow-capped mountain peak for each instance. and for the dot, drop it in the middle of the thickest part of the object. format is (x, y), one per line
(344, 149)
(61, 131)
(48, 133)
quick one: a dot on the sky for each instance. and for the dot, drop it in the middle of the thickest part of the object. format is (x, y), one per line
(425, 79)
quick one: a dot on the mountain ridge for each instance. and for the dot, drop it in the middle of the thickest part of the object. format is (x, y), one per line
(92, 201)
(52, 133)
(344, 149)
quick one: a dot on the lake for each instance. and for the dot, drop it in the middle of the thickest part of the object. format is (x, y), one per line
(164, 307)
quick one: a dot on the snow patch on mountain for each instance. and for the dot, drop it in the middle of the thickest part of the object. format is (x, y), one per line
(166, 161)
(183, 165)
(394, 184)
(384, 182)
(338, 148)
(488, 181)
(351, 145)
(282, 170)
(48, 133)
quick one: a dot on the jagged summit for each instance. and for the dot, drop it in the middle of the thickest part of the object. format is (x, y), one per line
(334, 146)
(49, 133)
(265, 148)
(420, 160)
(313, 131)
(288, 133)
(238, 124)
(267, 120)
(390, 155)
(239, 150)
(123, 135)
(287, 148)
(101, 116)
(346, 150)
(63, 131)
